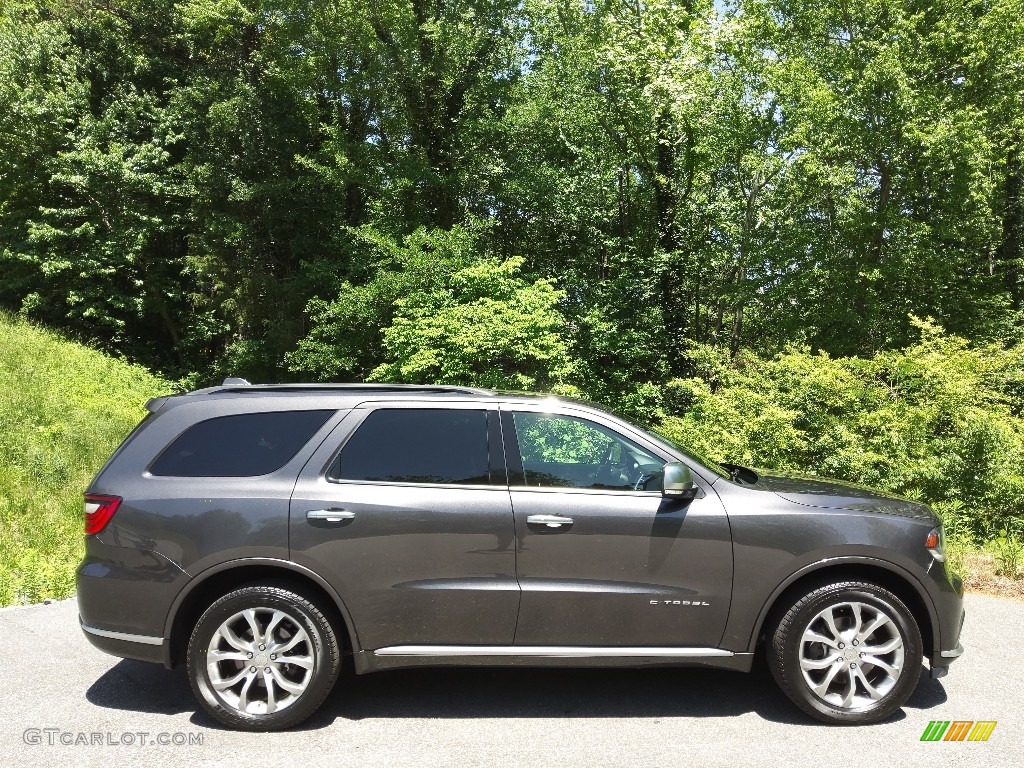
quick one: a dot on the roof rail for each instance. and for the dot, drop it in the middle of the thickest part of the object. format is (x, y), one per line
(241, 385)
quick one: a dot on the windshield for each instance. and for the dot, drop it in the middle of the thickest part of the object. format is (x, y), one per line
(688, 453)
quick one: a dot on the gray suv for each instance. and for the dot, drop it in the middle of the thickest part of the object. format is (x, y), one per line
(261, 534)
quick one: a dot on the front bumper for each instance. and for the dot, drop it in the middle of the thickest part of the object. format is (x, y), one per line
(940, 661)
(940, 665)
(953, 654)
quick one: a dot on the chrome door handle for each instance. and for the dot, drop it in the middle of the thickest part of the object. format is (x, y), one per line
(330, 515)
(551, 521)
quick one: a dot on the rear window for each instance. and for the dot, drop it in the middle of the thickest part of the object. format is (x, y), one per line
(243, 445)
(411, 445)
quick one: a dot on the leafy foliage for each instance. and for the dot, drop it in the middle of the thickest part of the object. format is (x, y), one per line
(939, 421)
(194, 183)
(487, 326)
(437, 312)
(726, 213)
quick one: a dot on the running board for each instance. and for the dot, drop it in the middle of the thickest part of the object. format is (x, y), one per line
(548, 651)
(399, 656)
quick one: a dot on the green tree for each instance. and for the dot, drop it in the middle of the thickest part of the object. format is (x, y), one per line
(892, 209)
(203, 184)
(345, 341)
(435, 311)
(89, 203)
(487, 326)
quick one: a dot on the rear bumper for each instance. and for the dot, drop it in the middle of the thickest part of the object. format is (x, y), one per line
(127, 590)
(124, 596)
(125, 645)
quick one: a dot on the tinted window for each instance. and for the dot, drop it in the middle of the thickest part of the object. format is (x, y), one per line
(244, 445)
(407, 445)
(566, 452)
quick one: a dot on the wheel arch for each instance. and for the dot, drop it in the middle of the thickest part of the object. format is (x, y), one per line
(881, 572)
(217, 581)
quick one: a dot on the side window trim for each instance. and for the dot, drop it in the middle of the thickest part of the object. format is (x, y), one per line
(513, 458)
(496, 453)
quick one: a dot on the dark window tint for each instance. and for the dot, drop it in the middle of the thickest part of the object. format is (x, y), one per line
(410, 445)
(240, 446)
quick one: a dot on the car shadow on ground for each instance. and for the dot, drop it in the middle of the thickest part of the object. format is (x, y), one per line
(500, 693)
(138, 686)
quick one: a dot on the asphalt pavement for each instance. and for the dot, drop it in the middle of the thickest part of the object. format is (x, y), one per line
(65, 703)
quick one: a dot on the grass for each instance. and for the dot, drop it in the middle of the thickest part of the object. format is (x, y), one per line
(986, 568)
(64, 408)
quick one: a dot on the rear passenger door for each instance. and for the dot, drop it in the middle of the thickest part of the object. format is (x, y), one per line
(405, 510)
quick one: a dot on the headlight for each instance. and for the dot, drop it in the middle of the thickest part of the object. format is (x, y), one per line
(935, 543)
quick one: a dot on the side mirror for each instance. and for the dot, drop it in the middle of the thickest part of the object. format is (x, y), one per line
(677, 482)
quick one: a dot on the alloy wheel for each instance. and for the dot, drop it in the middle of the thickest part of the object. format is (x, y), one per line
(260, 661)
(851, 655)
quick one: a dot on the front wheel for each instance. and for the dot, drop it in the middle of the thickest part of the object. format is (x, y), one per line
(262, 658)
(847, 653)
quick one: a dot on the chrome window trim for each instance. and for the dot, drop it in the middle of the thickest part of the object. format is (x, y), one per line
(583, 491)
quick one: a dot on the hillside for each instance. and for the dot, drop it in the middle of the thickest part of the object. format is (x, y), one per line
(63, 410)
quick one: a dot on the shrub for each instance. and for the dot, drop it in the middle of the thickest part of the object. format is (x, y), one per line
(939, 421)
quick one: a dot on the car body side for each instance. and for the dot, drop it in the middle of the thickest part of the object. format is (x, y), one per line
(175, 542)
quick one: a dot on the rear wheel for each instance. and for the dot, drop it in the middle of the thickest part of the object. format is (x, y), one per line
(847, 653)
(263, 658)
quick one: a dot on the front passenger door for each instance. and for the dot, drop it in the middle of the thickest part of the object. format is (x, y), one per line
(603, 558)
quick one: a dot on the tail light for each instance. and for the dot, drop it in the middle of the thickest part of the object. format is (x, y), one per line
(98, 511)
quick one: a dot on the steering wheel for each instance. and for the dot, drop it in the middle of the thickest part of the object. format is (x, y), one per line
(616, 473)
(606, 457)
(643, 478)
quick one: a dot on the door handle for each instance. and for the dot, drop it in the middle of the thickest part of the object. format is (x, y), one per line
(551, 521)
(330, 515)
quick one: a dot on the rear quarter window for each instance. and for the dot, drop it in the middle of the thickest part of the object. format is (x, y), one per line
(241, 445)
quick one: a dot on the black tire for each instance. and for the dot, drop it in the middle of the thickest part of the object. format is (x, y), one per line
(851, 601)
(317, 647)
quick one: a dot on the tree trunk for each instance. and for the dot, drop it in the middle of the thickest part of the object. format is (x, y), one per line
(1009, 254)
(666, 194)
